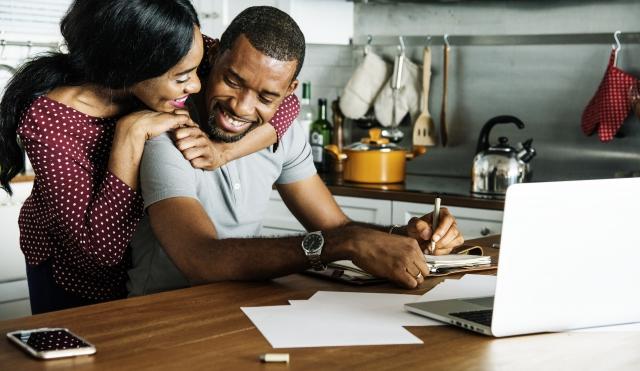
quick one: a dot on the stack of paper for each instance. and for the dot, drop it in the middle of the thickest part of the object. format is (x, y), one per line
(353, 318)
(437, 262)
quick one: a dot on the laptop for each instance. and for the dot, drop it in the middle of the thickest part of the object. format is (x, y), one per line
(569, 258)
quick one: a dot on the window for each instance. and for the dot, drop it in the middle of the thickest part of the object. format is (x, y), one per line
(31, 20)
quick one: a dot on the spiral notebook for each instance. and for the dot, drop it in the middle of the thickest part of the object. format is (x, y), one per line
(465, 258)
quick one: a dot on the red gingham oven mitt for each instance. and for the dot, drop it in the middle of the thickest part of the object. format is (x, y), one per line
(610, 105)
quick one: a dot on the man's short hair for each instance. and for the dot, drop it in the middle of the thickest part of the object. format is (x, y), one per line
(271, 31)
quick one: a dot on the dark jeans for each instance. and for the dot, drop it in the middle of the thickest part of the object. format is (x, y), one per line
(45, 295)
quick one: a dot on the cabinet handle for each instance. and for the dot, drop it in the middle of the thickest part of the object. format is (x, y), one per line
(485, 231)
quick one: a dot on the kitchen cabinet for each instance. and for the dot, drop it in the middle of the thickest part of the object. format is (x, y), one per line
(321, 21)
(472, 222)
(280, 222)
(14, 292)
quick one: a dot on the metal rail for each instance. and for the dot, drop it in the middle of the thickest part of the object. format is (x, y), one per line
(540, 39)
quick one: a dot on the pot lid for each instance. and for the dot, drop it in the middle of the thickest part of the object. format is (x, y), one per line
(374, 142)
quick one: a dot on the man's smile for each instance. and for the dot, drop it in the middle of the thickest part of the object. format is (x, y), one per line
(228, 122)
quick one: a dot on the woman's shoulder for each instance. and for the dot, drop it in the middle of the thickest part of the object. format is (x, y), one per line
(47, 115)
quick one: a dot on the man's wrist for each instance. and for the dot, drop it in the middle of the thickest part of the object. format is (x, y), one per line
(338, 245)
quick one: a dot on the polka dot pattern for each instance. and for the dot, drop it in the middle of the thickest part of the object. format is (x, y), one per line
(79, 215)
(288, 110)
(610, 106)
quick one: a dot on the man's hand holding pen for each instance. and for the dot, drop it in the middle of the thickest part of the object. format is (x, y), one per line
(446, 235)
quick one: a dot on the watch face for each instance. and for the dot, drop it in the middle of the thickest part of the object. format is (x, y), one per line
(312, 243)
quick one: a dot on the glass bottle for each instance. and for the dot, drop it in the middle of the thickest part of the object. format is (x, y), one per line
(307, 113)
(320, 136)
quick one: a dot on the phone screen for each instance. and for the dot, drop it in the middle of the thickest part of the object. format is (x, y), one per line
(46, 340)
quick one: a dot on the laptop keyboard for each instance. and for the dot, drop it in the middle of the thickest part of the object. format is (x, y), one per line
(482, 317)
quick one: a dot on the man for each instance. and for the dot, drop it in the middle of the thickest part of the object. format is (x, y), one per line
(201, 225)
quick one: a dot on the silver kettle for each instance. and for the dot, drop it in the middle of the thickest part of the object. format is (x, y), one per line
(498, 166)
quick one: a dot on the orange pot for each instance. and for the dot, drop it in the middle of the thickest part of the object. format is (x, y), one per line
(374, 159)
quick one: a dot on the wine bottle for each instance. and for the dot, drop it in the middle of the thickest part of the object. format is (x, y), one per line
(307, 113)
(319, 137)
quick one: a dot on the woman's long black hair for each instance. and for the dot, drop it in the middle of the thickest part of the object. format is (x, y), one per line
(111, 43)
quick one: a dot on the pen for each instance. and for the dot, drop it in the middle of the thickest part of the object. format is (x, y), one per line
(434, 225)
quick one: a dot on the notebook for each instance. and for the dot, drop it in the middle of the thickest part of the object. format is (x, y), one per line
(568, 259)
(466, 258)
(438, 263)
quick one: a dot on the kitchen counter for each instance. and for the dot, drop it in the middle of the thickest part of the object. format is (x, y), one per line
(22, 178)
(416, 188)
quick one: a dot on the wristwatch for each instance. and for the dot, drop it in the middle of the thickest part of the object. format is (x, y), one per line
(312, 247)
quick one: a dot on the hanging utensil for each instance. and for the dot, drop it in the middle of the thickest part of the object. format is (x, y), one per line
(617, 47)
(443, 111)
(424, 128)
(395, 134)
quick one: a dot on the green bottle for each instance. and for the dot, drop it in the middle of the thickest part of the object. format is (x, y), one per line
(320, 136)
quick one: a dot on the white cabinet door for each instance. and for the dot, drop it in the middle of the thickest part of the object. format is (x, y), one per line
(280, 221)
(366, 210)
(321, 21)
(12, 265)
(473, 223)
(14, 292)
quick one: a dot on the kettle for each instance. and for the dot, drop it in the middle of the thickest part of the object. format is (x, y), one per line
(497, 167)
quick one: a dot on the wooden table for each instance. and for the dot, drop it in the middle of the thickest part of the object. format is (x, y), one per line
(203, 328)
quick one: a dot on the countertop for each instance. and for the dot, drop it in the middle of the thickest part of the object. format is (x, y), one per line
(455, 191)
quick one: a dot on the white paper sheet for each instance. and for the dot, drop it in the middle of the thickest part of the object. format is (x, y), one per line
(379, 308)
(302, 326)
(331, 318)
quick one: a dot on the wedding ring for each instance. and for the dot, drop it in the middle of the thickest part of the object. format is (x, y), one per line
(418, 276)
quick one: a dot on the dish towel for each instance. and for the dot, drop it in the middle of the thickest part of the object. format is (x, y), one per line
(610, 105)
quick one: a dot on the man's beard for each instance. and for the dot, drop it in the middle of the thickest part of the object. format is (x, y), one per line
(215, 133)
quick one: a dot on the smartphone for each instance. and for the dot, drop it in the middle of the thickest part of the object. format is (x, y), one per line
(48, 343)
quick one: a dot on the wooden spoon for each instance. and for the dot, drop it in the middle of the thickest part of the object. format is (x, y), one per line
(443, 112)
(424, 129)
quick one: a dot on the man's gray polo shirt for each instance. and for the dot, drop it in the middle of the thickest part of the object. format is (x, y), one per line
(234, 196)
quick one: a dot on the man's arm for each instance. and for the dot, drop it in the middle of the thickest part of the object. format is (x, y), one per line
(189, 238)
(314, 206)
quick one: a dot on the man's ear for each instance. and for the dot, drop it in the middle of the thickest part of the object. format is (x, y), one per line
(292, 87)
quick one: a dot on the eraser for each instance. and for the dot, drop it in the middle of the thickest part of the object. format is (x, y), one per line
(275, 357)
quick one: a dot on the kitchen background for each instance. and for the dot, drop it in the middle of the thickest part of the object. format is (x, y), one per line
(546, 86)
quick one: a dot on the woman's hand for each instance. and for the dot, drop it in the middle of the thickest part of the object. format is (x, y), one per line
(148, 124)
(132, 131)
(198, 149)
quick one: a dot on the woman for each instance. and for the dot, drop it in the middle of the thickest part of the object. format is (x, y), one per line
(80, 121)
